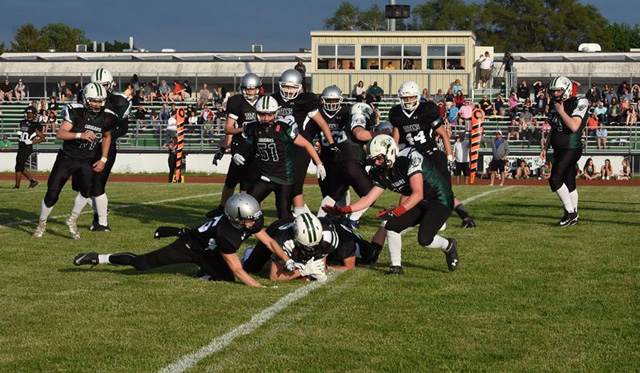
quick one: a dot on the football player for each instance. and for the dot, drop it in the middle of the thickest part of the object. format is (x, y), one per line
(427, 199)
(240, 111)
(212, 245)
(416, 124)
(273, 142)
(83, 128)
(303, 106)
(30, 133)
(336, 116)
(120, 105)
(568, 119)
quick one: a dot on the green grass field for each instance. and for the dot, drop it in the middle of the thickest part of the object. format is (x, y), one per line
(527, 296)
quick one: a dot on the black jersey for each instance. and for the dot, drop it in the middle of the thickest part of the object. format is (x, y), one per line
(243, 112)
(83, 121)
(350, 147)
(28, 132)
(220, 236)
(409, 162)
(282, 232)
(337, 231)
(561, 136)
(120, 105)
(273, 145)
(417, 129)
(337, 121)
(302, 108)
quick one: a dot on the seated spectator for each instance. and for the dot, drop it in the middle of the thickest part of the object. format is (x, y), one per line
(524, 91)
(601, 112)
(20, 91)
(532, 133)
(442, 109)
(546, 130)
(186, 91)
(135, 83)
(527, 103)
(457, 87)
(625, 173)
(589, 171)
(486, 105)
(522, 171)
(53, 106)
(5, 144)
(459, 99)
(164, 91)
(128, 91)
(498, 105)
(601, 134)
(205, 96)
(208, 116)
(606, 171)
(177, 92)
(593, 95)
(579, 174)
(452, 116)
(513, 105)
(375, 92)
(408, 64)
(538, 87)
(526, 115)
(465, 115)
(632, 116)
(140, 115)
(424, 97)
(147, 91)
(74, 90)
(514, 129)
(614, 113)
(575, 85)
(154, 119)
(374, 65)
(439, 97)
(359, 89)
(6, 90)
(137, 99)
(635, 93)
(625, 106)
(449, 97)
(389, 66)
(592, 126)
(165, 113)
(545, 171)
(52, 122)
(541, 104)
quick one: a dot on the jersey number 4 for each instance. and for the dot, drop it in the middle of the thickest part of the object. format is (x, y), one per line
(418, 138)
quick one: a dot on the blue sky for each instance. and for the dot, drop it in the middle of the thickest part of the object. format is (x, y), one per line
(195, 25)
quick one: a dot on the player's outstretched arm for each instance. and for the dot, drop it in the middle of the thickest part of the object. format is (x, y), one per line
(272, 245)
(236, 267)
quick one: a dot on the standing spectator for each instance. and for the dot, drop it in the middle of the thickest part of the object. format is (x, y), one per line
(135, 83)
(606, 171)
(575, 85)
(461, 155)
(172, 127)
(453, 116)
(500, 151)
(601, 134)
(593, 95)
(205, 95)
(486, 65)
(524, 91)
(224, 98)
(301, 68)
(20, 90)
(6, 90)
(375, 92)
(507, 64)
(173, 146)
(589, 171)
(63, 91)
(5, 144)
(625, 173)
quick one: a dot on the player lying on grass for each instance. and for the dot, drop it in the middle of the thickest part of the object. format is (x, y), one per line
(212, 245)
(427, 199)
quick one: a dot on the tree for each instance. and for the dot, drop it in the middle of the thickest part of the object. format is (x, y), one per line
(372, 19)
(63, 38)
(28, 39)
(344, 18)
(116, 46)
(2, 48)
(624, 37)
(446, 15)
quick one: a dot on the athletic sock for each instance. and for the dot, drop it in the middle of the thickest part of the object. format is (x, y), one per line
(79, 203)
(394, 240)
(306, 209)
(102, 203)
(461, 210)
(104, 259)
(356, 215)
(438, 242)
(45, 211)
(574, 199)
(297, 211)
(325, 201)
(563, 193)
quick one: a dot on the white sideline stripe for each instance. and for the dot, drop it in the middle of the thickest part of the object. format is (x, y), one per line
(19, 222)
(189, 361)
(473, 198)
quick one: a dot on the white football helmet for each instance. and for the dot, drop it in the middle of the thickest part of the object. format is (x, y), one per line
(362, 108)
(250, 81)
(409, 94)
(104, 78)
(307, 230)
(290, 84)
(241, 207)
(332, 98)
(382, 146)
(267, 104)
(94, 96)
(562, 83)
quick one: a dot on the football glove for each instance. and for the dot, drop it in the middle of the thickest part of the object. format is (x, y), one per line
(450, 157)
(292, 266)
(238, 159)
(388, 214)
(336, 210)
(313, 268)
(218, 156)
(321, 171)
(162, 232)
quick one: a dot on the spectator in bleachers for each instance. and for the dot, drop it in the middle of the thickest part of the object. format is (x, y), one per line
(592, 126)
(452, 116)
(606, 171)
(466, 110)
(137, 99)
(486, 105)
(524, 91)
(621, 88)
(499, 106)
(546, 131)
(532, 133)
(575, 85)
(593, 95)
(635, 93)
(208, 116)
(5, 144)
(523, 171)
(459, 99)
(135, 83)
(513, 105)
(20, 90)
(154, 119)
(607, 92)
(537, 87)
(164, 91)
(224, 97)
(42, 112)
(626, 95)
(205, 96)
(589, 171)
(457, 87)
(6, 90)
(486, 65)
(601, 113)
(359, 89)
(601, 134)
(424, 97)
(514, 129)
(186, 91)
(52, 122)
(165, 113)
(526, 115)
(614, 112)
(625, 172)
(625, 105)
(439, 97)
(449, 97)
(545, 170)
(527, 103)
(176, 94)
(52, 106)
(63, 91)
(128, 92)
(140, 116)
(375, 92)
(541, 104)
(632, 115)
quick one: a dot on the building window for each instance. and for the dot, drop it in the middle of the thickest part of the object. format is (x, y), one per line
(441, 57)
(390, 57)
(336, 56)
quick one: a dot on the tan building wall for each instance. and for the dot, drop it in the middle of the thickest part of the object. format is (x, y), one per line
(423, 56)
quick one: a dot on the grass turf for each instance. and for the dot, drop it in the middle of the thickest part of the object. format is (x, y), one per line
(528, 296)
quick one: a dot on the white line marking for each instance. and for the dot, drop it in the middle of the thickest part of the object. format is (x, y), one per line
(19, 222)
(189, 361)
(473, 198)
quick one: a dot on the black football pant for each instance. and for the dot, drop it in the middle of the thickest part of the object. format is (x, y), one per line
(283, 193)
(349, 173)
(63, 168)
(24, 152)
(182, 250)
(430, 215)
(244, 175)
(100, 178)
(258, 258)
(301, 161)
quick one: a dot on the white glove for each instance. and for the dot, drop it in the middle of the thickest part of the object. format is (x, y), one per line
(292, 266)
(19, 133)
(28, 142)
(313, 268)
(450, 157)
(321, 172)
(238, 159)
(320, 278)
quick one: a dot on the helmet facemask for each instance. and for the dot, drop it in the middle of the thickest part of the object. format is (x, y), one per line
(290, 91)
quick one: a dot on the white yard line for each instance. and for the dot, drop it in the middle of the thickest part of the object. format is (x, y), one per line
(89, 211)
(498, 189)
(189, 361)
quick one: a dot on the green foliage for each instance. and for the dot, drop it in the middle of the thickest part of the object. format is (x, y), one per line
(624, 37)
(445, 15)
(2, 48)
(344, 18)
(28, 39)
(116, 46)
(372, 19)
(62, 37)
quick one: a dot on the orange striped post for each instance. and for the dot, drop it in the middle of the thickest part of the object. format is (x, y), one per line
(477, 118)
(180, 117)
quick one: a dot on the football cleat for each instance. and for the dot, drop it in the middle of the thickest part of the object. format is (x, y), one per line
(468, 223)
(102, 228)
(396, 270)
(33, 184)
(40, 229)
(86, 259)
(452, 254)
(73, 226)
(569, 218)
(94, 223)
(16, 187)
(354, 224)
(215, 212)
